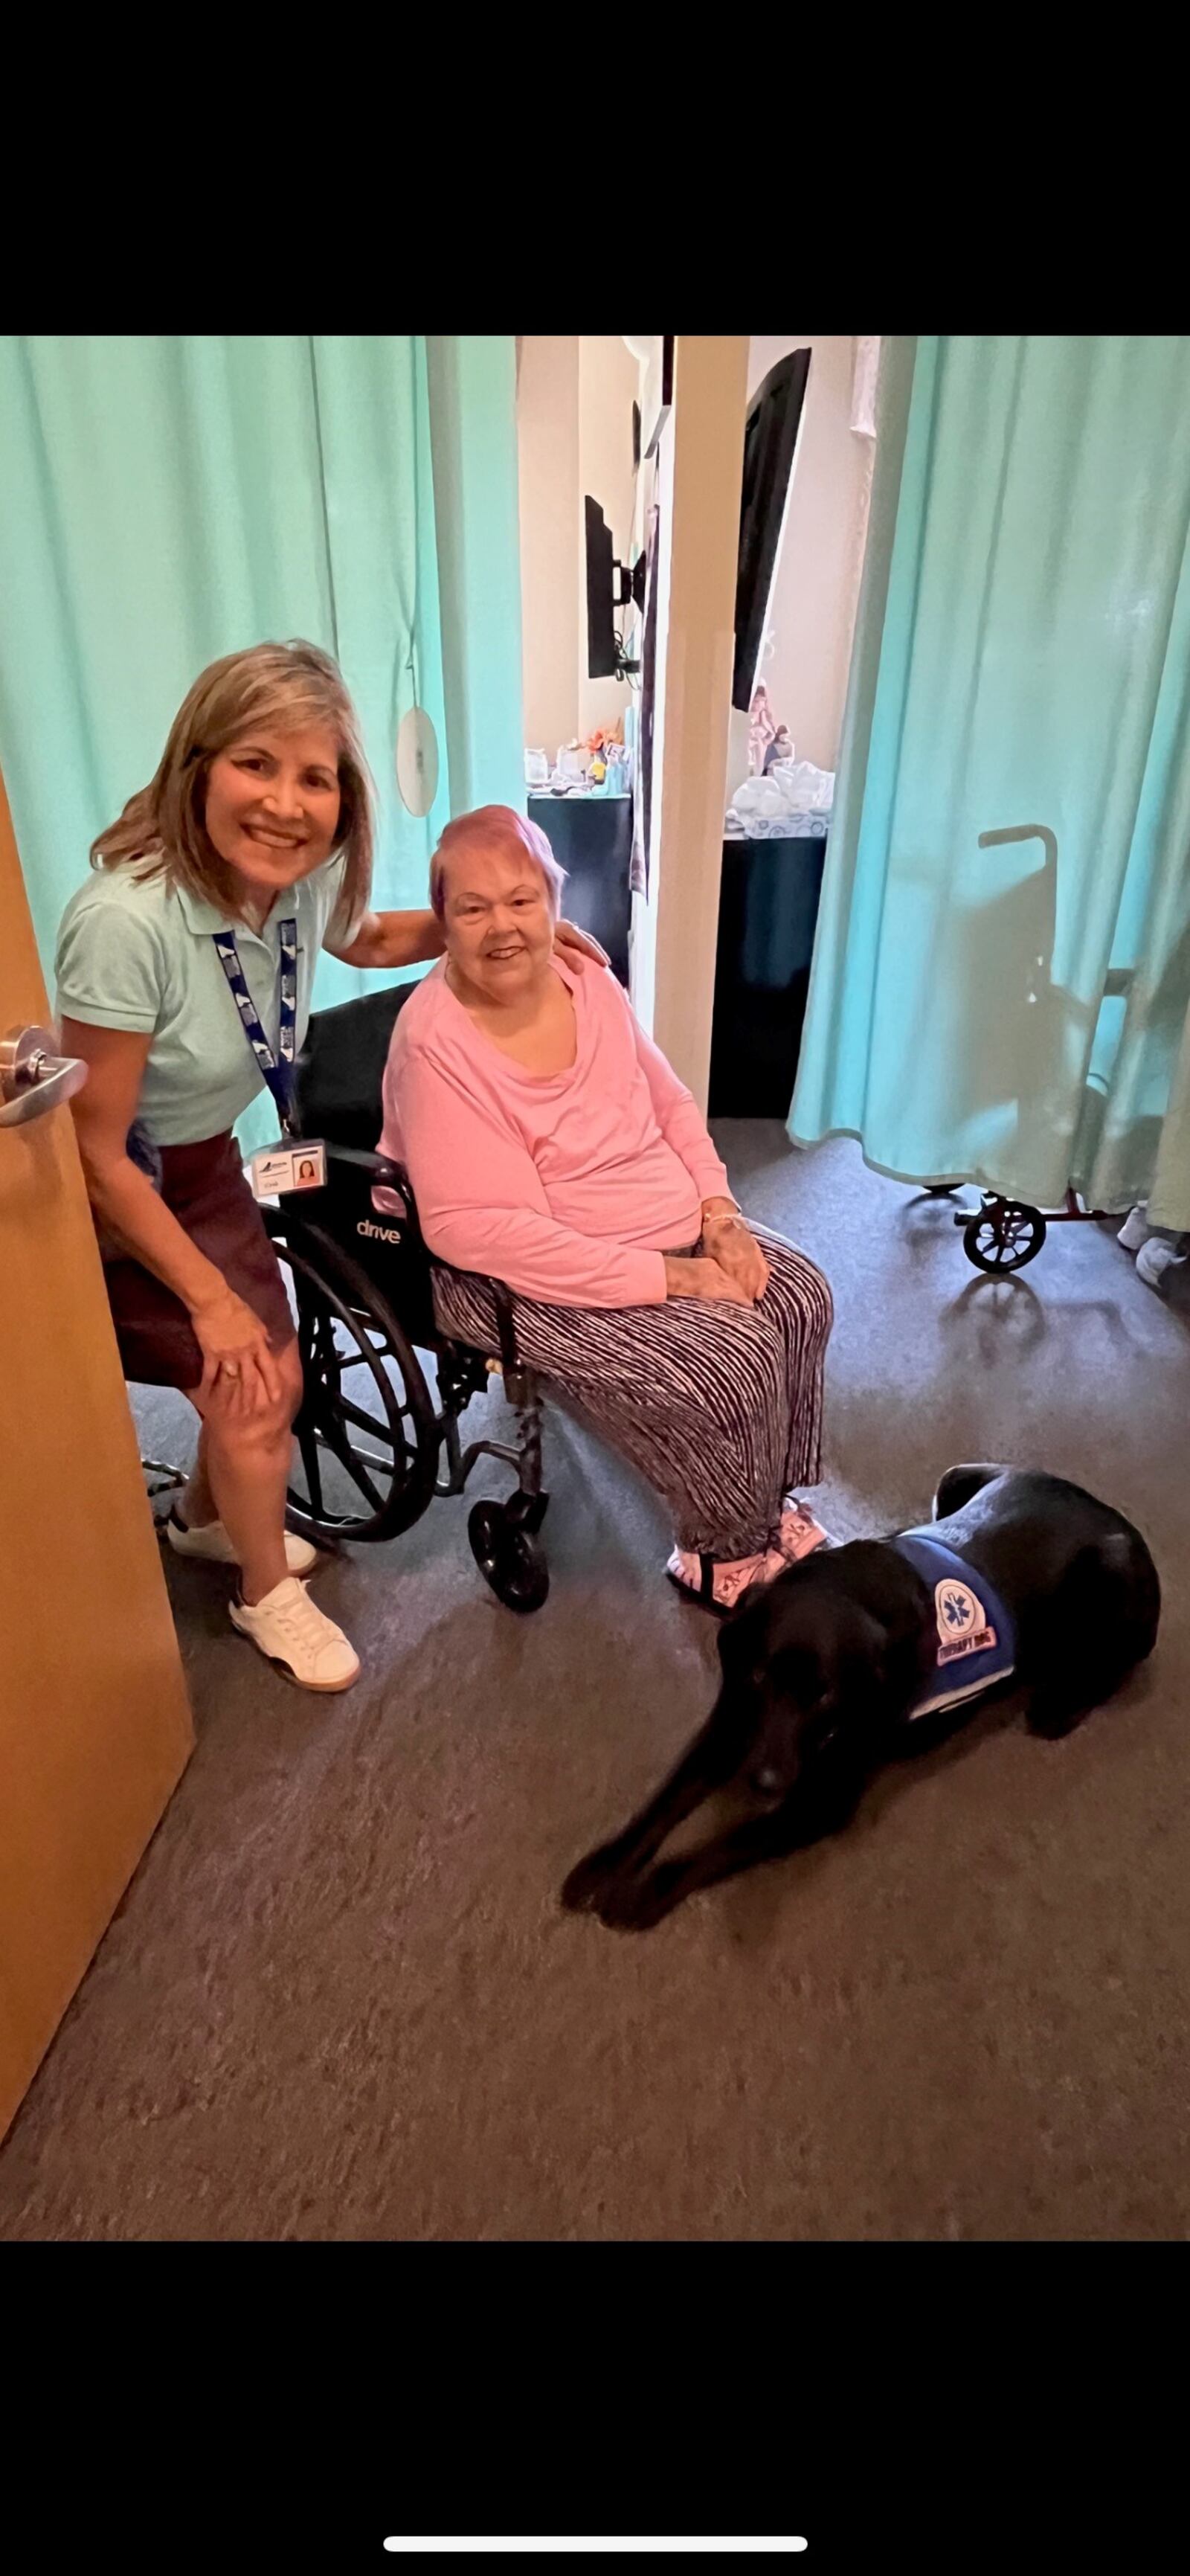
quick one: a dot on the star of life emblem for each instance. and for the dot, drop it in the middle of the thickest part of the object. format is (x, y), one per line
(963, 1627)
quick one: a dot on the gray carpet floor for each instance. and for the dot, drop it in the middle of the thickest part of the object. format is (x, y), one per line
(340, 2001)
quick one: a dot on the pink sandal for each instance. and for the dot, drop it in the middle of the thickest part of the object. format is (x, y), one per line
(716, 1586)
(800, 1534)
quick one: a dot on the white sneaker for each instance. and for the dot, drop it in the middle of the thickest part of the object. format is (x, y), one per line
(1162, 1253)
(213, 1543)
(1135, 1230)
(304, 1644)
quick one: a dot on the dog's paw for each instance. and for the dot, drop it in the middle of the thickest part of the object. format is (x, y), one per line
(582, 1890)
(636, 1904)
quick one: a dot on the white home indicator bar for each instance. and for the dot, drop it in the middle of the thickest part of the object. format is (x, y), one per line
(723, 2547)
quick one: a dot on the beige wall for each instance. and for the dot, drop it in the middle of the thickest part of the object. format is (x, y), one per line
(607, 382)
(548, 445)
(654, 486)
(574, 430)
(816, 583)
(700, 526)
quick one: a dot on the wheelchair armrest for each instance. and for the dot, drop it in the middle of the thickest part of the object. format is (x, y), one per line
(510, 1358)
(391, 1176)
(502, 1299)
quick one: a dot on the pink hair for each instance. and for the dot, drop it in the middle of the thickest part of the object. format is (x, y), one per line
(496, 827)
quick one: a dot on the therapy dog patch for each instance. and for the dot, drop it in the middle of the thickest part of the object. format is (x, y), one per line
(976, 1637)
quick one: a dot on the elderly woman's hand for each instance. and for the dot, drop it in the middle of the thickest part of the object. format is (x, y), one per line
(730, 1243)
(687, 1276)
(576, 950)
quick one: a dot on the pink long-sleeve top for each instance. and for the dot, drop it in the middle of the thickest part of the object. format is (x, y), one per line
(568, 1186)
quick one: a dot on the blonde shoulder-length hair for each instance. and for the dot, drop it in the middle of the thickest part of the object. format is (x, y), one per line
(284, 686)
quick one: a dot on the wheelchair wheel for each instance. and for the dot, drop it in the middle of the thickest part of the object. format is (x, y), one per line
(507, 1557)
(1004, 1236)
(367, 1434)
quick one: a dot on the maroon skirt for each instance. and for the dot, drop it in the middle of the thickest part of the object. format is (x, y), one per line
(204, 1187)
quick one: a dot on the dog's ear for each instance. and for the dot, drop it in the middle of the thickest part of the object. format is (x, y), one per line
(850, 1717)
(735, 1649)
(891, 1652)
(745, 1637)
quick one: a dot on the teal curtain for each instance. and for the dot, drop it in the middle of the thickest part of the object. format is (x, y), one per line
(1001, 979)
(473, 381)
(166, 499)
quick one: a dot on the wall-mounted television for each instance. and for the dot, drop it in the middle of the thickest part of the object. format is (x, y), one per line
(610, 585)
(770, 444)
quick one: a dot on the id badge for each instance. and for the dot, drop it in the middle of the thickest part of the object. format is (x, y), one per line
(282, 1169)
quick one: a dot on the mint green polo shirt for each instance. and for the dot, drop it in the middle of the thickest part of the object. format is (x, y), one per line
(136, 952)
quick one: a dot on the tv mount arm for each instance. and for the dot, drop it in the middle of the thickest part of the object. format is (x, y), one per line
(629, 591)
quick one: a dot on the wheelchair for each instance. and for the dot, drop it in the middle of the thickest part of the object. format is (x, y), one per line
(374, 1440)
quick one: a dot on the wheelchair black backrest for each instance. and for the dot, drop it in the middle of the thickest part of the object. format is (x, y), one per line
(339, 1078)
(341, 1068)
(339, 1086)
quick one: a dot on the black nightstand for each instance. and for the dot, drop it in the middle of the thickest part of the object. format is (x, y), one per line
(591, 837)
(768, 914)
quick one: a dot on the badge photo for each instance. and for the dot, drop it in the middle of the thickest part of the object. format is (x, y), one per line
(282, 1169)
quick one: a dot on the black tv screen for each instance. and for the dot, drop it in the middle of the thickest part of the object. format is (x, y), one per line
(603, 660)
(770, 442)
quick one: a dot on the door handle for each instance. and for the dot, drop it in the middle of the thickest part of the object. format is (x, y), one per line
(33, 1079)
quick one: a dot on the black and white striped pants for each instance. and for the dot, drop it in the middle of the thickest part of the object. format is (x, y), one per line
(720, 1406)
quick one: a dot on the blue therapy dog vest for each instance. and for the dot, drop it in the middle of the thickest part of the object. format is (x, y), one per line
(976, 1637)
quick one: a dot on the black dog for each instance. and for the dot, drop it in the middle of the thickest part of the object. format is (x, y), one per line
(1020, 1582)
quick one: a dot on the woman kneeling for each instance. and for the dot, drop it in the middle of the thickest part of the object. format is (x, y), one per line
(550, 1145)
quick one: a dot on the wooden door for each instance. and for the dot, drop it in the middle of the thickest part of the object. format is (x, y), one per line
(95, 1725)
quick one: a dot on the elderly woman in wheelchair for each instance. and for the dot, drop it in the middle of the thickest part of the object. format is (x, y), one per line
(549, 1147)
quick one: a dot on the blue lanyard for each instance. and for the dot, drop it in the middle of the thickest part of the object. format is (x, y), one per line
(277, 1070)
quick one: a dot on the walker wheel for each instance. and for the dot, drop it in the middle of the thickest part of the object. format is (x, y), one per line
(508, 1558)
(1004, 1236)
